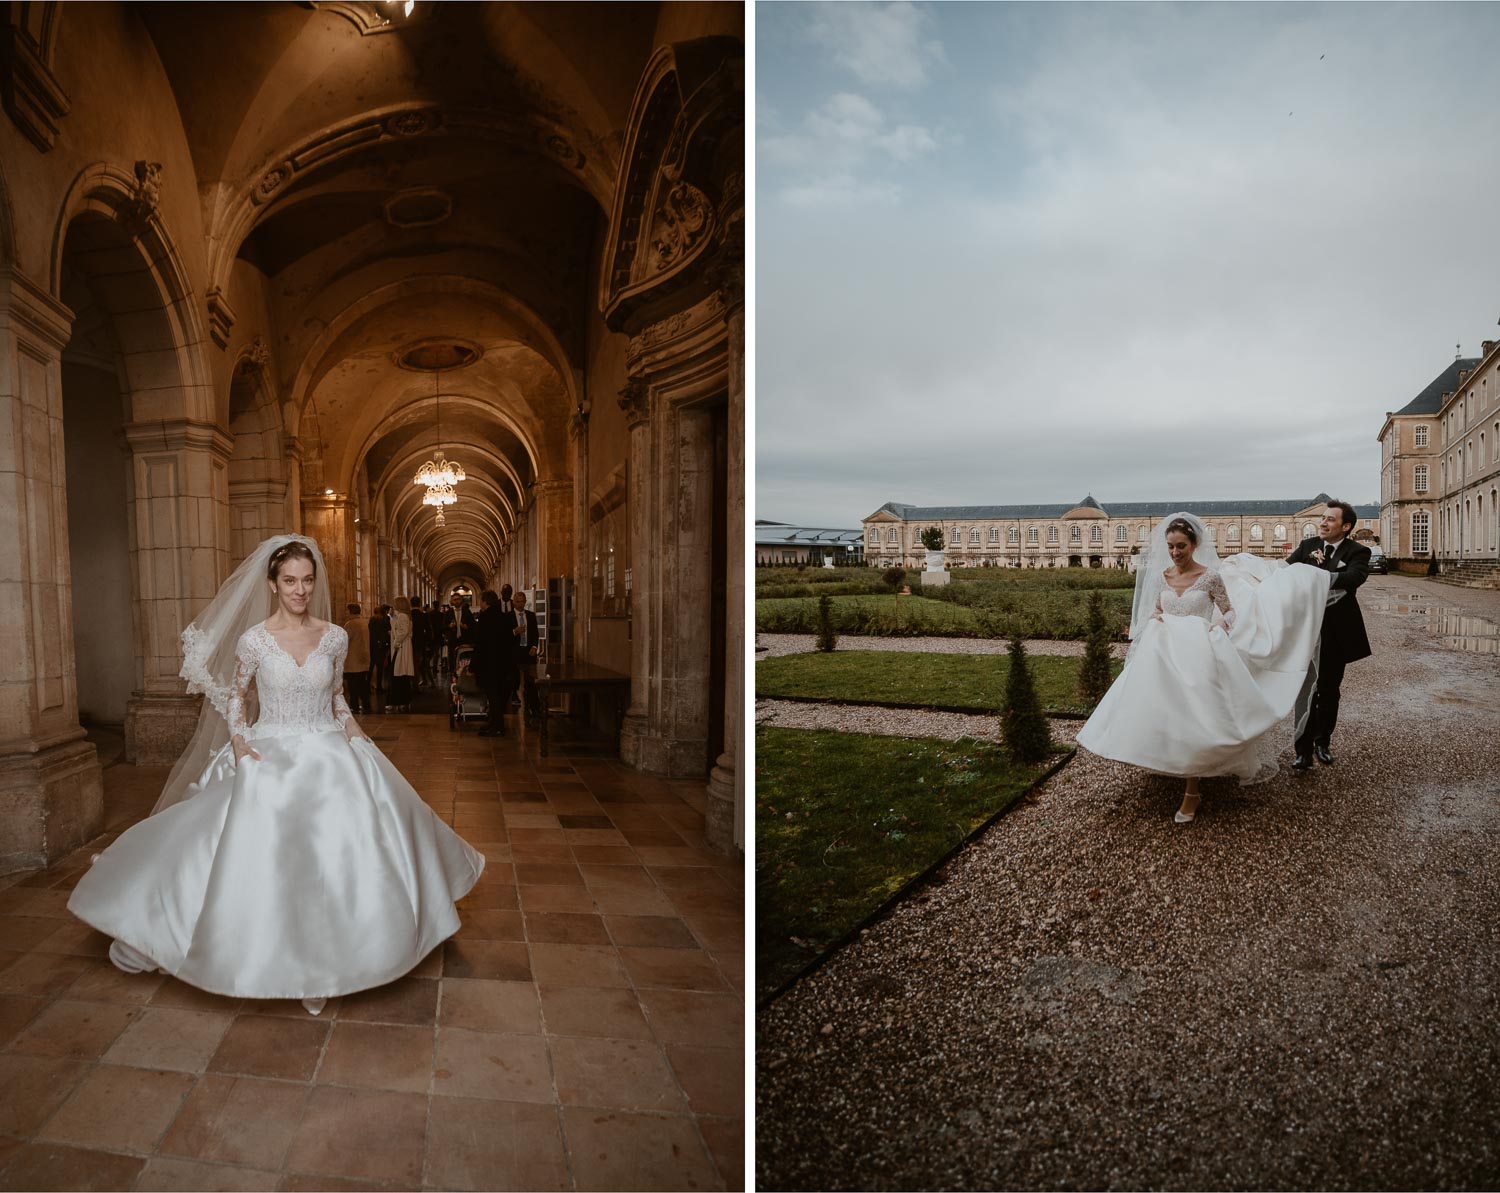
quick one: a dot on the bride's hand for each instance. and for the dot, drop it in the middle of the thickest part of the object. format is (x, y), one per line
(242, 750)
(352, 730)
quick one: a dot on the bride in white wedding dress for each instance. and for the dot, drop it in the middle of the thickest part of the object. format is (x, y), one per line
(1202, 695)
(286, 857)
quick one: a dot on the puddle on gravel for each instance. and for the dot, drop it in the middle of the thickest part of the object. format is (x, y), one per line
(1454, 629)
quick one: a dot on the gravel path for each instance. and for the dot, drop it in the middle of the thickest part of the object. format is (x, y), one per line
(783, 644)
(890, 722)
(1298, 990)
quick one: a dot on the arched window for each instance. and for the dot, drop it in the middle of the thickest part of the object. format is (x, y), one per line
(1052, 535)
(1421, 435)
(1096, 534)
(1142, 534)
(1309, 530)
(1121, 534)
(1075, 533)
(890, 535)
(1233, 534)
(1213, 534)
(1031, 535)
(1013, 535)
(1256, 534)
(974, 536)
(994, 534)
(1419, 478)
(1280, 533)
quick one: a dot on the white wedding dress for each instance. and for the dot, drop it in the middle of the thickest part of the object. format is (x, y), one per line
(1200, 698)
(312, 872)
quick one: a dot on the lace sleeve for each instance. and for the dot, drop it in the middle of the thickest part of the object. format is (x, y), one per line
(341, 710)
(1218, 593)
(247, 660)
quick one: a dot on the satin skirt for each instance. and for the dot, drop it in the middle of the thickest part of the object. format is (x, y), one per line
(1200, 699)
(313, 872)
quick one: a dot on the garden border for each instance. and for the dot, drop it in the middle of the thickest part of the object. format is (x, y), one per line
(909, 885)
(965, 710)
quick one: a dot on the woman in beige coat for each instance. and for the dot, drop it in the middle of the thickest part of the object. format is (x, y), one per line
(402, 660)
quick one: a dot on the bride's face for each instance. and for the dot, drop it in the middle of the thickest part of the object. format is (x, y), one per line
(294, 585)
(1180, 547)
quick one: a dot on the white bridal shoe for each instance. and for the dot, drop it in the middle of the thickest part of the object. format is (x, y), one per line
(1185, 817)
(314, 1005)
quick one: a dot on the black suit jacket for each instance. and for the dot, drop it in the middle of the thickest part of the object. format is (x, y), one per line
(494, 645)
(464, 632)
(522, 644)
(1343, 623)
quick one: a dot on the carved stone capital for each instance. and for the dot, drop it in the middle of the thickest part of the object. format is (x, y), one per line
(683, 220)
(635, 400)
(259, 354)
(178, 434)
(220, 316)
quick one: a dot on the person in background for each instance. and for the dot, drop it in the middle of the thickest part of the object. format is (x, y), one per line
(380, 656)
(357, 664)
(421, 637)
(402, 669)
(495, 661)
(527, 647)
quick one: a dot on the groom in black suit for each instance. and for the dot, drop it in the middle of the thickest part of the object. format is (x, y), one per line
(1344, 640)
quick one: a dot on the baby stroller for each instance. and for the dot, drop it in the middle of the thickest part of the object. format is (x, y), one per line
(468, 701)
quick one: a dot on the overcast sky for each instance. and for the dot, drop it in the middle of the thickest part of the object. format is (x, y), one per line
(1016, 253)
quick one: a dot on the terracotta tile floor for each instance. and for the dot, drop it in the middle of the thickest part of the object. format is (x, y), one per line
(585, 1028)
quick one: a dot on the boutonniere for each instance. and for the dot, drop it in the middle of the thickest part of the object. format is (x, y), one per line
(1318, 555)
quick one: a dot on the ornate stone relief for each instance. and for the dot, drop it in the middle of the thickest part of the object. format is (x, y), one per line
(147, 193)
(259, 354)
(682, 220)
(31, 94)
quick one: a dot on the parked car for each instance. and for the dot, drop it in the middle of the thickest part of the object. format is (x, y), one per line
(1380, 563)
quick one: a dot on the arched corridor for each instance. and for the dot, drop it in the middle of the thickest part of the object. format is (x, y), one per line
(239, 302)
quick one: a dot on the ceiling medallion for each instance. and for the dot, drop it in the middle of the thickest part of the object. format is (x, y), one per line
(420, 207)
(437, 354)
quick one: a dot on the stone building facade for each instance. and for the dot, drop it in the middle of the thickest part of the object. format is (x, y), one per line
(1440, 470)
(1087, 534)
(249, 301)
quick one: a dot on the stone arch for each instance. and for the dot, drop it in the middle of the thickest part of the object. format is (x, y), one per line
(128, 202)
(681, 183)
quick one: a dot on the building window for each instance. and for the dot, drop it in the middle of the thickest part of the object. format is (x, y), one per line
(1120, 534)
(1213, 534)
(1280, 533)
(1013, 535)
(1031, 535)
(1233, 534)
(1419, 478)
(974, 536)
(1309, 530)
(1052, 536)
(1075, 534)
(1420, 526)
(1421, 435)
(1142, 534)
(994, 534)
(1096, 535)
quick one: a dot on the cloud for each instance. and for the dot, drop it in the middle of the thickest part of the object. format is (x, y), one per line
(882, 45)
(840, 151)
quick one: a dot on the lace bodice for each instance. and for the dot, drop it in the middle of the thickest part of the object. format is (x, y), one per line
(293, 698)
(1206, 592)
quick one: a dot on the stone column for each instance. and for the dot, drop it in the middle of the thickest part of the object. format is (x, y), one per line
(51, 793)
(578, 431)
(635, 728)
(554, 522)
(381, 589)
(330, 520)
(292, 448)
(724, 817)
(180, 507)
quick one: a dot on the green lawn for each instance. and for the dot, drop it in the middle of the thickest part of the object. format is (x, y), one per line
(947, 680)
(843, 820)
(892, 616)
(980, 610)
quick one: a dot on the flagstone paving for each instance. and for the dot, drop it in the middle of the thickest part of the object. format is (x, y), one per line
(584, 1029)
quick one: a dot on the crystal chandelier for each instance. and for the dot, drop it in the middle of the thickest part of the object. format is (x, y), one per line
(438, 473)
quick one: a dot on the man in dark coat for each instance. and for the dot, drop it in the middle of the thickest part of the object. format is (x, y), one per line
(456, 624)
(380, 654)
(527, 644)
(1344, 639)
(494, 660)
